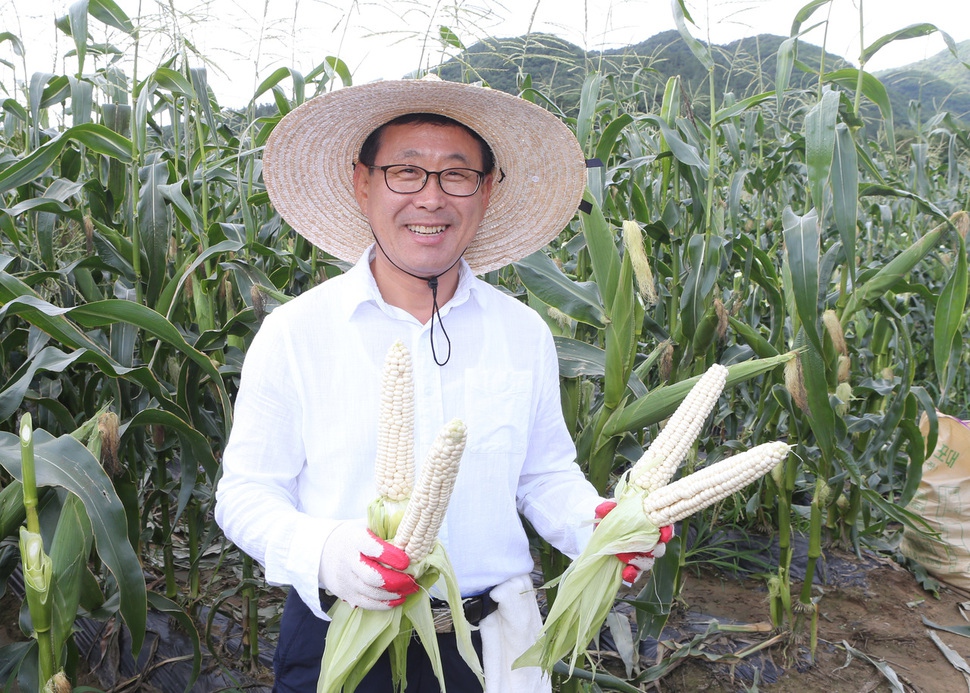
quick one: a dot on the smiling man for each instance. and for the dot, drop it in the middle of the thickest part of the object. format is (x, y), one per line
(421, 185)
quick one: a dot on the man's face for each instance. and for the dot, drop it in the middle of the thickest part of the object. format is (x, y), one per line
(425, 232)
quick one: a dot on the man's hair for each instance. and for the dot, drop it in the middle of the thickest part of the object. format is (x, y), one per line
(368, 151)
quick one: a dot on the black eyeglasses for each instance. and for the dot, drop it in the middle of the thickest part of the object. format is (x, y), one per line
(406, 179)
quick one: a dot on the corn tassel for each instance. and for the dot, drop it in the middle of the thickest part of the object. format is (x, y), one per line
(410, 517)
(644, 504)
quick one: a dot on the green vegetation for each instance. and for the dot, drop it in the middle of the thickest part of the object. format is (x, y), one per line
(822, 261)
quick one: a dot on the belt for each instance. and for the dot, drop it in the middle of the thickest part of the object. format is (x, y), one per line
(476, 608)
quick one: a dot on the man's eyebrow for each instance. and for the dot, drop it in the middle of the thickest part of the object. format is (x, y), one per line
(412, 153)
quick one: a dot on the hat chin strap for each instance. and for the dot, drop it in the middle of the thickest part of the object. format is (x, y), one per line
(433, 285)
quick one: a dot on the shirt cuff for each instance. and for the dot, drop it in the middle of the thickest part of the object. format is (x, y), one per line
(295, 560)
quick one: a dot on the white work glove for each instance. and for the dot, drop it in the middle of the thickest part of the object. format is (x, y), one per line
(364, 570)
(637, 563)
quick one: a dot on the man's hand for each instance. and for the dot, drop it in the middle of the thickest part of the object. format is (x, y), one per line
(637, 563)
(364, 570)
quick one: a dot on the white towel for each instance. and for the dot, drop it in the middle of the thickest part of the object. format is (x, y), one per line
(508, 632)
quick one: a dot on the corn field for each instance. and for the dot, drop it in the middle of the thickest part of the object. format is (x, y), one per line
(799, 236)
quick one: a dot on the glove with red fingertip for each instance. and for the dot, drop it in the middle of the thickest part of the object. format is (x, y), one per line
(639, 562)
(364, 570)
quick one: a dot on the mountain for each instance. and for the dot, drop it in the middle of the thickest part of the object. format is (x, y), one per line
(744, 68)
(938, 83)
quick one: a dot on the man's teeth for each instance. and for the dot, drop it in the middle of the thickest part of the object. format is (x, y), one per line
(425, 230)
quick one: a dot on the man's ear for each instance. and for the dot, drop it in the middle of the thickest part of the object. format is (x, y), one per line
(361, 184)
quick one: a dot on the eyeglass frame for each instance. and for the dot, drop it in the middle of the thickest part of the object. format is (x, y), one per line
(427, 177)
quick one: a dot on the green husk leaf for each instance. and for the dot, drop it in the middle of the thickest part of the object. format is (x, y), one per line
(588, 588)
(356, 640)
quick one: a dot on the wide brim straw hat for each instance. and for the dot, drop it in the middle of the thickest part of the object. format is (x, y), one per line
(539, 178)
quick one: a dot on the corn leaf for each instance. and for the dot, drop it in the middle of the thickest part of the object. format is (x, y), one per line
(700, 50)
(661, 402)
(579, 300)
(845, 193)
(65, 462)
(949, 317)
(802, 248)
(820, 144)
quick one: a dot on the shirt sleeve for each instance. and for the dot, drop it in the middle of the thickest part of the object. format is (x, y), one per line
(257, 500)
(553, 493)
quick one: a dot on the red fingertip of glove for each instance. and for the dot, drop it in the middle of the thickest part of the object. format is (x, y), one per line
(397, 602)
(631, 574)
(603, 509)
(627, 557)
(391, 555)
(666, 532)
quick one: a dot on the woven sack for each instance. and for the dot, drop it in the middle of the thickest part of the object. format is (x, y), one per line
(943, 500)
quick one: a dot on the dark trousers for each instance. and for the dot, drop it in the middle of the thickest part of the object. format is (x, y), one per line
(300, 650)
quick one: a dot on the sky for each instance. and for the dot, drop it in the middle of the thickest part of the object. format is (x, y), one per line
(244, 41)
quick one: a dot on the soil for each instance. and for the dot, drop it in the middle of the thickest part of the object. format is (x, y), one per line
(871, 605)
(872, 618)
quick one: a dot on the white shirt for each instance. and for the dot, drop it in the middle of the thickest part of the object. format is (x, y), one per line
(301, 454)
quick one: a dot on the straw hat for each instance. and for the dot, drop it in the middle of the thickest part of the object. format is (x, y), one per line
(308, 165)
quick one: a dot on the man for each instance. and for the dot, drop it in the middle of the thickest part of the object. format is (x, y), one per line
(423, 184)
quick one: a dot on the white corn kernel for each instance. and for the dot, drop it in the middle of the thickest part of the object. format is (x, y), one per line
(706, 486)
(425, 511)
(659, 463)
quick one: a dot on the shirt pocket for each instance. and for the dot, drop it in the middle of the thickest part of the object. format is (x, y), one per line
(498, 409)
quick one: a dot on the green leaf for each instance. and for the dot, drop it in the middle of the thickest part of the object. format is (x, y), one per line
(820, 144)
(704, 258)
(784, 62)
(15, 43)
(450, 38)
(682, 151)
(174, 81)
(603, 254)
(700, 50)
(845, 193)
(911, 31)
(892, 272)
(620, 336)
(578, 300)
(804, 13)
(97, 138)
(662, 401)
(949, 316)
(874, 90)
(578, 359)
(66, 463)
(50, 359)
(109, 13)
(69, 552)
(802, 248)
(78, 16)
(154, 226)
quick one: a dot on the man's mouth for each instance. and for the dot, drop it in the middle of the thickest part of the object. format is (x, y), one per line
(426, 230)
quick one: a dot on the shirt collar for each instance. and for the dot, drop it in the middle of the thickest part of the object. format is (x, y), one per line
(362, 288)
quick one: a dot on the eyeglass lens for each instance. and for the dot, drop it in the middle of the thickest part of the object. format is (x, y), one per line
(461, 182)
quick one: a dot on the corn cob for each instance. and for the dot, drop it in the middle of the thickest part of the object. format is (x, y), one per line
(411, 518)
(644, 504)
(426, 509)
(668, 450)
(686, 496)
(394, 468)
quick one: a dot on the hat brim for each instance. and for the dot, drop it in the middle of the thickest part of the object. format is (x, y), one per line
(308, 166)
